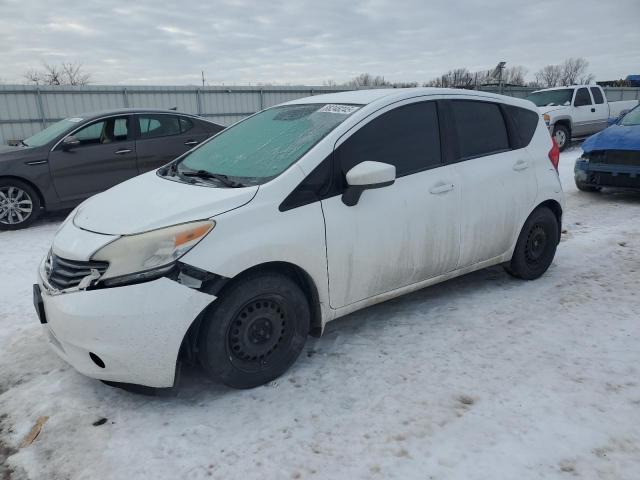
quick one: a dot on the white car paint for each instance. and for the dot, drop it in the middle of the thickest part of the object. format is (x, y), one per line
(423, 229)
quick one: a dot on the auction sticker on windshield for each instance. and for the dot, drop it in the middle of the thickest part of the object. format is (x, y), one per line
(335, 108)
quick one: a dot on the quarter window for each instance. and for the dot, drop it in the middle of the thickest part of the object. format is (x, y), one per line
(480, 128)
(525, 123)
(152, 126)
(582, 98)
(185, 124)
(407, 137)
(597, 95)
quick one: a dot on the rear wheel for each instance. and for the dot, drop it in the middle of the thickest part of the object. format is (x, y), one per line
(562, 136)
(255, 331)
(536, 245)
(19, 204)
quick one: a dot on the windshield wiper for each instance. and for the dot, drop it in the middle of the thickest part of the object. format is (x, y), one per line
(226, 181)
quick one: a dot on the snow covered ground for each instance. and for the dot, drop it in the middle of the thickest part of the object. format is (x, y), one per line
(482, 377)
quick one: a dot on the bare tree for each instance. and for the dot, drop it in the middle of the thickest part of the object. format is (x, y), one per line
(368, 80)
(570, 72)
(574, 70)
(549, 76)
(64, 74)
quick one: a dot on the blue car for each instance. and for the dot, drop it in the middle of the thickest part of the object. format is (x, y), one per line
(611, 157)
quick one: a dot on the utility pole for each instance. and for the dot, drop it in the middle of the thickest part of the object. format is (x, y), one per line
(203, 78)
(497, 72)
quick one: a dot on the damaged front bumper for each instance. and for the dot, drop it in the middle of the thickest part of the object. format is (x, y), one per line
(607, 175)
(129, 334)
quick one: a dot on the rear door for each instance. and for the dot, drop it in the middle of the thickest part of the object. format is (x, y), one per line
(163, 137)
(497, 181)
(105, 156)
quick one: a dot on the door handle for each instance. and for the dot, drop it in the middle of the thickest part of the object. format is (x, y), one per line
(441, 188)
(191, 142)
(593, 109)
(122, 151)
(521, 165)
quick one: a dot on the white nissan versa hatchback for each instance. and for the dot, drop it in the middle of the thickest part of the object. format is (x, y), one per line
(295, 216)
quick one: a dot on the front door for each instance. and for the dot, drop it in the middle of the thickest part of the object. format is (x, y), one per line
(585, 119)
(104, 157)
(399, 234)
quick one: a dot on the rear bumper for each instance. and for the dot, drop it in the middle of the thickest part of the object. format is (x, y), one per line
(607, 175)
(136, 330)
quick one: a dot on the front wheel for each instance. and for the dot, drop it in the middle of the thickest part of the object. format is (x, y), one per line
(19, 204)
(536, 245)
(255, 330)
(562, 136)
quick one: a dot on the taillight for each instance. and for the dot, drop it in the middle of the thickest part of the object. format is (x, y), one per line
(554, 154)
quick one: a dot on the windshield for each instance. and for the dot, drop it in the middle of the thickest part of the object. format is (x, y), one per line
(552, 97)
(264, 145)
(50, 133)
(631, 118)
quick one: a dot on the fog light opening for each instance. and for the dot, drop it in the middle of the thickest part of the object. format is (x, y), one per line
(96, 359)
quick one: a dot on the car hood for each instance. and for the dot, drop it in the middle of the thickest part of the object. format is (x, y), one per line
(616, 137)
(149, 202)
(550, 109)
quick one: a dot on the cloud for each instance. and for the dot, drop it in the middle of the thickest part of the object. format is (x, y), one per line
(307, 42)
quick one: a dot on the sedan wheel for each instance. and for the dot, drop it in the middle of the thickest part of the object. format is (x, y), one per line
(19, 205)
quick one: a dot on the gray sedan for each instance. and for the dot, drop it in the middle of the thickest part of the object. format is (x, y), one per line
(77, 157)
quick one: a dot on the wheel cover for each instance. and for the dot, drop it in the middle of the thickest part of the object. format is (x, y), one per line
(258, 333)
(16, 206)
(561, 137)
(536, 245)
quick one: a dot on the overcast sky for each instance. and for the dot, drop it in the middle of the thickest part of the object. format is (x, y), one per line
(308, 42)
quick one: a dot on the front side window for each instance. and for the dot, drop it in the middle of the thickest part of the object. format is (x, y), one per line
(266, 144)
(480, 128)
(105, 131)
(551, 98)
(582, 98)
(597, 95)
(152, 126)
(407, 137)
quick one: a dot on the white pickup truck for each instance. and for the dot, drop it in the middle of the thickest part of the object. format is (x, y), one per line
(577, 111)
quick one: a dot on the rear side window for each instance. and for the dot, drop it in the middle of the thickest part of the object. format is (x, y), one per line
(524, 122)
(185, 124)
(407, 137)
(152, 126)
(480, 128)
(597, 95)
(582, 98)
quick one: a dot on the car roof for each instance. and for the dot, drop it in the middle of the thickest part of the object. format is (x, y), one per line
(390, 95)
(563, 88)
(128, 111)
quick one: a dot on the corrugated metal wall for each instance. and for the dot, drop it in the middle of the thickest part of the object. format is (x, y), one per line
(25, 109)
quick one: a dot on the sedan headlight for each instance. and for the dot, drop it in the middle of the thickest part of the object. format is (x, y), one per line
(144, 254)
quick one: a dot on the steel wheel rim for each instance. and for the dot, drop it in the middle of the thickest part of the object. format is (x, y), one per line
(258, 333)
(536, 245)
(561, 138)
(16, 206)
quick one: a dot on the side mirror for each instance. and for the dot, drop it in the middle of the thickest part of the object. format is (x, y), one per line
(365, 176)
(70, 142)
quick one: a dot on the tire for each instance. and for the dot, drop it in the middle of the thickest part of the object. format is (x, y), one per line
(562, 135)
(536, 245)
(586, 188)
(255, 330)
(20, 204)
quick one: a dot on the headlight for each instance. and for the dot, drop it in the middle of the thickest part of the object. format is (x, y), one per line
(151, 251)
